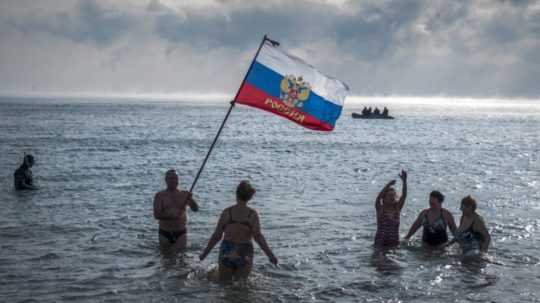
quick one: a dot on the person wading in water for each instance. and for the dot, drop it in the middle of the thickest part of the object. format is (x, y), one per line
(170, 210)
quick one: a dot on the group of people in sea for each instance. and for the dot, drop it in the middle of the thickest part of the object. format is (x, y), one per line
(236, 227)
(239, 224)
(471, 234)
(367, 111)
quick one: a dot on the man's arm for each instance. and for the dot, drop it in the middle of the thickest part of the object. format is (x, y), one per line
(192, 203)
(20, 182)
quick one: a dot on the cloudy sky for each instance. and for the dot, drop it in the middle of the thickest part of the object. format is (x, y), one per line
(480, 48)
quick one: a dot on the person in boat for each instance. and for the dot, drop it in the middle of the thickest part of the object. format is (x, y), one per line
(388, 208)
(435, 221)
(23, 177)
(368, 111)
(237, 225)
(385, 112)
(472, 234)
(170, 207)
(377, 111)
(364, 111)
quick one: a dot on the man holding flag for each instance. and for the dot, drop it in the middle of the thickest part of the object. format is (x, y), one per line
(289, 87)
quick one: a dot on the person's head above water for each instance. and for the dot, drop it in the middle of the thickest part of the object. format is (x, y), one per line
(28, 160)
(389, 195)
(244, 191)
(171, 178)
(468, 205)
(436, 198)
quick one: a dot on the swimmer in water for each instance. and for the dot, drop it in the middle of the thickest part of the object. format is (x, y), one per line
(23, 178)
(435, 221)
(170, 210)
(237, 225)
(388, 208)
(472, 234)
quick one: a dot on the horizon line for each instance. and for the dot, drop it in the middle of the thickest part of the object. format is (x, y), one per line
(221, 98)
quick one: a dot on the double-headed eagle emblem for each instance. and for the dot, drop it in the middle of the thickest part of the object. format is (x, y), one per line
(294, 91)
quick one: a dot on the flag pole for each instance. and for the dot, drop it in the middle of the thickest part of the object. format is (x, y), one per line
(265, 38)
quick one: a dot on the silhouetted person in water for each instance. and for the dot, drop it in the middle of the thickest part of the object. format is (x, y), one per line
(377, 111)
(385, 112)
(368, 111)
(23, 175)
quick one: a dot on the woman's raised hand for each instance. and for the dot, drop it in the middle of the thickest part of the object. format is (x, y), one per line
(403, 175)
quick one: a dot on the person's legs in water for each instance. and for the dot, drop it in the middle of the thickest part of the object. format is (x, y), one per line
(172, 242)
(235, 259)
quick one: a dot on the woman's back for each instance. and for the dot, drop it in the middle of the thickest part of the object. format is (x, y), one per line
(240, 223)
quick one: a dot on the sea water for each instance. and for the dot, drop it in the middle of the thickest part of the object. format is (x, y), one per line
(88, 234)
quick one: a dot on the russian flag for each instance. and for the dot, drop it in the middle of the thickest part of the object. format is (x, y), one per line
(289, 87)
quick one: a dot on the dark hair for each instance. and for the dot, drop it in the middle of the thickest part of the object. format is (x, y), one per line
(29, 159)
(244, 191)
(469, 201)
(437, 195)
(170, 172)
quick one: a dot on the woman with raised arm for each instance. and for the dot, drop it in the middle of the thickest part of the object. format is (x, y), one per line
(388, 208)
(237, 225)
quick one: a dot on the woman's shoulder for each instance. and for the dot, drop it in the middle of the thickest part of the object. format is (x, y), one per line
(227, 210)
(253, 212)
(479, 219)
(447, 212)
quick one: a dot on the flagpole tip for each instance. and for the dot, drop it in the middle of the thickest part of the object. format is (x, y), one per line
(274, 42)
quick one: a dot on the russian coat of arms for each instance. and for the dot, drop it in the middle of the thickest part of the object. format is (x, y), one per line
(294, 91)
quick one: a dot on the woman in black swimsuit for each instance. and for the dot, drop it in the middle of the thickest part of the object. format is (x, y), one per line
(472, 234)
(237, 225)
(435, 221)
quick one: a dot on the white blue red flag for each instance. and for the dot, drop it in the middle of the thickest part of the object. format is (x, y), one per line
(287, 86)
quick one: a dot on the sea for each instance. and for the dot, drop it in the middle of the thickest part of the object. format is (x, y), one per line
(88, 234)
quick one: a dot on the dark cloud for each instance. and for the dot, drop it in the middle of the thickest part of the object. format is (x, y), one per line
(88, 23)
(373, 33)
(369, 34)
(415, 47)
(240, 28)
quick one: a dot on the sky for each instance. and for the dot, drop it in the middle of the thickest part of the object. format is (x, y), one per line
(473, 49)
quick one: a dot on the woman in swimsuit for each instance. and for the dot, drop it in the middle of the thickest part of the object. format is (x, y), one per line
(388, 209)
(237, 225)
(435, 220)
(472, 234)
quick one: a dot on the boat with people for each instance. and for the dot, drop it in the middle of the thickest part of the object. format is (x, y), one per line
(367, 113)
